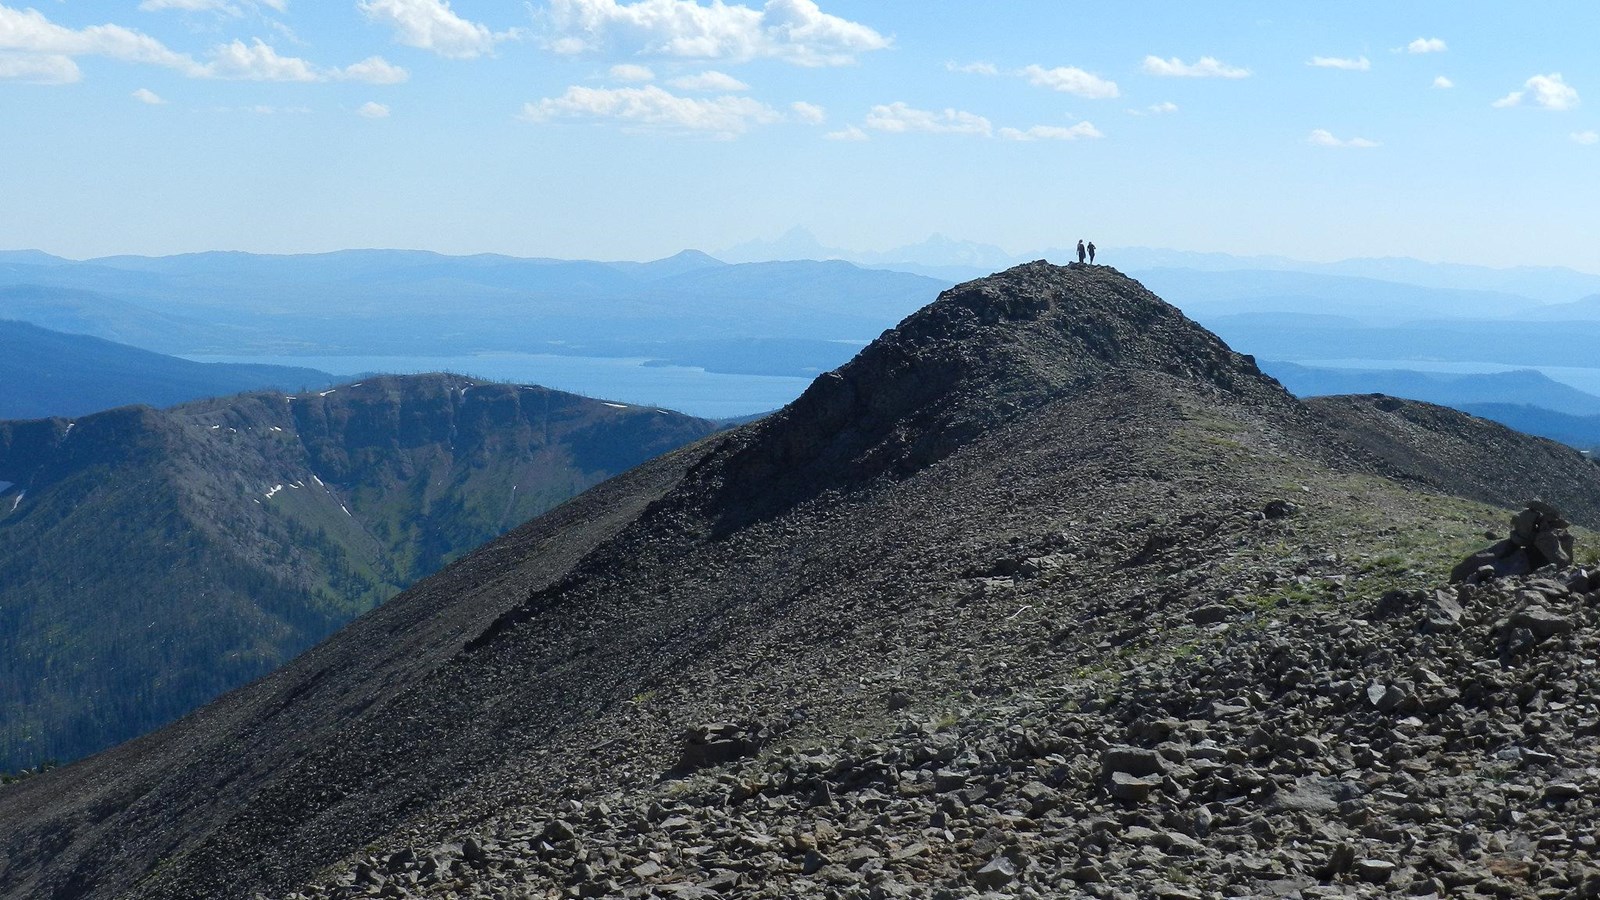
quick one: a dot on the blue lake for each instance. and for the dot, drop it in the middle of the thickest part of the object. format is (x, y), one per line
(691, 390)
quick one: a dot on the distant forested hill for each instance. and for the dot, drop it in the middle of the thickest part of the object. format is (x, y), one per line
(150, 560)
(49, 373)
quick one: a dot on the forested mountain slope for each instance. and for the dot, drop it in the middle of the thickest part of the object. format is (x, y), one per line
(152, 559)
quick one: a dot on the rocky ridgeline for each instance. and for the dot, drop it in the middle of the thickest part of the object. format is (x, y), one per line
(1446, 744)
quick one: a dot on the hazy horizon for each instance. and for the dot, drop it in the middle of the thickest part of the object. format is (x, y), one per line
(598, 129)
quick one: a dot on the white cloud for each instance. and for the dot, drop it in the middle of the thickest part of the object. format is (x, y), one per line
(796, 31)
(972, 68)
(898, 118)
(847, 133)
(1443, 83)
(1549, 91)
(654, 107)
(1589, 137)
(1155, 109)
(1361, 64)
(145, 95)
(1321, 137)
(1070, 80)
(1205, 67)
(809, 113)
(432, 25)
(35, 36)
(374, 70)
(257, 61)
(632, 72)
(1052, 133)
(372, 110)
(39, 68)
(30, 32)
(1426, 45)
(709, 81)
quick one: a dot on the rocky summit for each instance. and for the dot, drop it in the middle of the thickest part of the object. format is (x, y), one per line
(1047, 593)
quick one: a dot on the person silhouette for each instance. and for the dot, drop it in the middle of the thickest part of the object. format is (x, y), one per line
(1091, 253)
(1081, 251)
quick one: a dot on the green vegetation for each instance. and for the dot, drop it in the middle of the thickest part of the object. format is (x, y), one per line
(166, 557)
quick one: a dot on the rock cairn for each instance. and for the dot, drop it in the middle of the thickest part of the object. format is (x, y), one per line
(1446, 744)
(1539, 538)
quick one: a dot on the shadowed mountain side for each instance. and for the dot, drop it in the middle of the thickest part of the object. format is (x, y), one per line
(1465, 455)
(1582, 432)
(1039, 474)
(150, 560)
(986, 353)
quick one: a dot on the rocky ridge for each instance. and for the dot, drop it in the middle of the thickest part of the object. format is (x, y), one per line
(1443, 744)
(1033, 509)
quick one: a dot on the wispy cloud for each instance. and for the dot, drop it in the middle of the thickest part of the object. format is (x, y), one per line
(847, 133)
(29, 32)
(1586, 137)
(145, 95)
(432, 25)
(1071, 80)
(1426, 45)
(809, 113)
(1155, 109)
(39, 68)
(709, 82)
(795, 31)
(1321, 137)
(899, 118)
(1443, 83)
(373, 110)
(1052, 132)
(1360, 64)
(1204, 67)
(47, 50)
(632, 72)
(653, 107)
(257, 61)
(972, 68)
(373, 70)
(1548, 91)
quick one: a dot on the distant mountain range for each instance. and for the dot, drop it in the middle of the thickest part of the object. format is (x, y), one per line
(961, 260)
(51, 373)
(786, 318)
(150, 560)
(379, 302)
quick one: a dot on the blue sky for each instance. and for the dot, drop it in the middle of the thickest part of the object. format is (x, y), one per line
(614, 129)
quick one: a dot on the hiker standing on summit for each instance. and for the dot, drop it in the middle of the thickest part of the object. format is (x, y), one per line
(1091, 253)
(1081, 251)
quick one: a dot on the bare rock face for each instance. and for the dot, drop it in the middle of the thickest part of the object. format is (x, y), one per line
(1539, 538)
